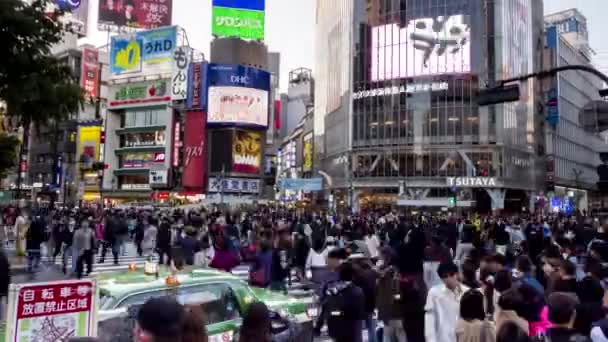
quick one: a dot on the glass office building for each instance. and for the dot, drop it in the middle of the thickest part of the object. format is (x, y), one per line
(396, 105)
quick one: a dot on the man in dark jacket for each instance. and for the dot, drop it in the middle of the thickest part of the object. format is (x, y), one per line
(345, 307)
(163, 241)
(388, 298)
(34, 237)
(5, 280)
(562, 313)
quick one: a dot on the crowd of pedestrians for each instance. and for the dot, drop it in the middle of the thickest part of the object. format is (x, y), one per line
(392, 277)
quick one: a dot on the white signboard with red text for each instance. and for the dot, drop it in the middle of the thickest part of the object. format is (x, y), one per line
(53, 311)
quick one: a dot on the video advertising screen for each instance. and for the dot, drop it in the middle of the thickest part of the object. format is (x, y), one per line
(238, 105)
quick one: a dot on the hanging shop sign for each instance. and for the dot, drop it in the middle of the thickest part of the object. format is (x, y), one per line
(472, 182)
(159, 178)
(307, 153)
(196, 74)
(138, 94)
(89, 76)
(194, 175)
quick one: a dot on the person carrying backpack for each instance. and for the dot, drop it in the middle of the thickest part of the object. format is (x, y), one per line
(345, 307)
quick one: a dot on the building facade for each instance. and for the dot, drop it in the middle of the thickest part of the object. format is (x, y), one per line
(572, 152)
(395, 102)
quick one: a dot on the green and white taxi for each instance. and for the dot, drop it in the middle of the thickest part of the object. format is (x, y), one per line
(222, 296)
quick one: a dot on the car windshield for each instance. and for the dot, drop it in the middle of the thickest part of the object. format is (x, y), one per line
(105, 300)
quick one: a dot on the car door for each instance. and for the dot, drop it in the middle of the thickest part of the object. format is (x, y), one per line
(220, 306)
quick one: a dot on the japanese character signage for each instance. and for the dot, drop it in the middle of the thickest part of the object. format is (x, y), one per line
(55, 311)
(194, 175)
(89, 77)
(135, 13)
(238, 18)
(138, 94)
(181, 62)
(234, 185)
(196, 91)
(146, 52)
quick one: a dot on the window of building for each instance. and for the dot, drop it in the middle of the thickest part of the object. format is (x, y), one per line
(145, 117)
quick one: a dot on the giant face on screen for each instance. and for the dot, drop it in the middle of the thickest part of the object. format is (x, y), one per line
(238, 105)
(426, 46)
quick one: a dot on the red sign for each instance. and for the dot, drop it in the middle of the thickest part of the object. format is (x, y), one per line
(89, 77)
(177, 143)
(54, 299)
(23, 166)
(195, 151)
(135, 13)
(160, 195)
(277, 114)
(159, 157)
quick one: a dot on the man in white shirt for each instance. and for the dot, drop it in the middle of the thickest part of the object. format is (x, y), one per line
(443, 305)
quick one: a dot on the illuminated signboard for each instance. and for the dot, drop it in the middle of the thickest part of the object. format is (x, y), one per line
(238, 18)
(426, 46)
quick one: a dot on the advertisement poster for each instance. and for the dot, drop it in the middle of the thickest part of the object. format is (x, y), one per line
(140, 160)
(144, 14)
(146, 52)
(89, 79)
(238, 18)
(54, 311)
(76, 15)
(89, 140)
(426, 46)
(237, 76)
(236, 105)
(134, 94)
(307, 153)
(195, 151)
(247, 152)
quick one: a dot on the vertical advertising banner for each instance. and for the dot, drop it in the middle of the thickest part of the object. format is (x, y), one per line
(194, 175)
(179, 83)
(89, 76)
(89, 139)
(195, 85)
(307, 152)
(54, 311)
(135, 13)
(148, 52)
(247, 152)
(238, 18)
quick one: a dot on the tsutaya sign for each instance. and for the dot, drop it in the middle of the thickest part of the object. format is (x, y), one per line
(472, 182)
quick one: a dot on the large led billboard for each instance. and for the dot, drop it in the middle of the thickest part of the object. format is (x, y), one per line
(237, 95)
(135, 13)
(238, 18)
(424, 47)
(247, 152)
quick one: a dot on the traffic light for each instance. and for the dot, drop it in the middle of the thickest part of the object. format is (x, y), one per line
(452, 201)
(497, 95)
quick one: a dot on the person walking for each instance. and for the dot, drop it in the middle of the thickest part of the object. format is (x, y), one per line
(84, 240)
(473, 325)
(148, 243)
(388, 298)
(34, 237)
(443, 305)
(163, 241)
(257, 326)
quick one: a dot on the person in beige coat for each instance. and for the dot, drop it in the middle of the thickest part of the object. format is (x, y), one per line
(473, 325)
(508, 302)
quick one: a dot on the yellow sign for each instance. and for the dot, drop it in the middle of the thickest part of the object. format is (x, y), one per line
(89, 141)
(247, 152)
(308, 153)
(129, 58)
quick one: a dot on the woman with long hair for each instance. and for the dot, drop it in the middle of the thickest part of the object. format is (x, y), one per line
(473, 325)
(257, 326)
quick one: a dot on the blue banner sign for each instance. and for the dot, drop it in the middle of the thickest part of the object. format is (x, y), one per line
(230, 75)
(302, 184)
(148, 52)
(255, 5)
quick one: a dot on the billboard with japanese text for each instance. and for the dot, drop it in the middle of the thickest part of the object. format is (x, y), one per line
(135, 13)
(146, 52)
(244, 19)
(89, 75)
(194, 175)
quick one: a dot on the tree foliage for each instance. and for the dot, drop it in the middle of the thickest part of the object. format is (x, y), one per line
(8, 155)
(35, 86)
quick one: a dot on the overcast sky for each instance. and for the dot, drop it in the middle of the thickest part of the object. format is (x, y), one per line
(290, 27)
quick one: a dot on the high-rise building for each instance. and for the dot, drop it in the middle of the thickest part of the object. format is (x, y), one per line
(572, 152)
(395, 108)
